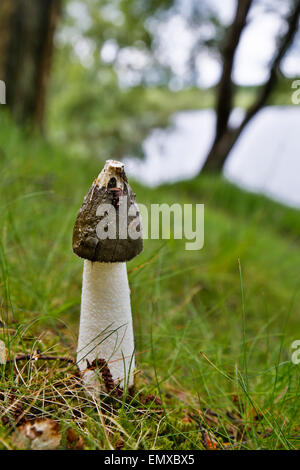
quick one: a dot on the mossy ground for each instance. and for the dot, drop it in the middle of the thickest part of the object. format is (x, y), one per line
(219, 361)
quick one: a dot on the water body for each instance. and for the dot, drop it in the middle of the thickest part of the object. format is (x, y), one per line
(266, 159)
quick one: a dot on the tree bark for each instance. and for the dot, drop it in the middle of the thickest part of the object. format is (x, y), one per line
(219, 150)
(26, 51)
(225, 136)
(226, 88)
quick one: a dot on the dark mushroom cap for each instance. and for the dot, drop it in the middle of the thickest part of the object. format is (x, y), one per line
(110, 187)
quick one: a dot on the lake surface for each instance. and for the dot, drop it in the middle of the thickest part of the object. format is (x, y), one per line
(266, 159)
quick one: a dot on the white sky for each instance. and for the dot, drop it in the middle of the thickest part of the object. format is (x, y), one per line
(175, 39)
(256, 48)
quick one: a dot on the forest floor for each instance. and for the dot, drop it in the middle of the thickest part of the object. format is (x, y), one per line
(213, 328)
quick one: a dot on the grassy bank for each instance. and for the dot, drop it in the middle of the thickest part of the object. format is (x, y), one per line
(212, 341)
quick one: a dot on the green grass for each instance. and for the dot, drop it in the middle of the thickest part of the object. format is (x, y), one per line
(209, 336)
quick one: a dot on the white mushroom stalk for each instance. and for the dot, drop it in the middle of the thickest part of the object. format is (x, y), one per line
(105, 320)
(106, 331)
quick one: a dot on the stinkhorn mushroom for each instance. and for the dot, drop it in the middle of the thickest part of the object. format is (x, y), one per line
(107, 234)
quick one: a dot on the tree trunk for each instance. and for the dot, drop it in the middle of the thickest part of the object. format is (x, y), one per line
(219, 151)
(226, 89)
(226, 137)
(26, 51)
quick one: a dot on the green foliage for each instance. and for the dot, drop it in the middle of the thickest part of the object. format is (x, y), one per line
(90, 111)
(87, 103)
(101, 119)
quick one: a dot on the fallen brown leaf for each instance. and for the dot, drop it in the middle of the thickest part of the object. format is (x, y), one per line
(209, 442)
(74, 441)
(120, 443)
